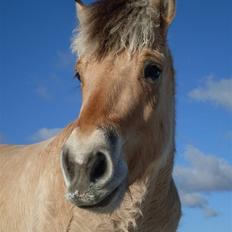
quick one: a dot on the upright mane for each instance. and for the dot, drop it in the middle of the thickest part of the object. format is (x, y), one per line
(115, 25)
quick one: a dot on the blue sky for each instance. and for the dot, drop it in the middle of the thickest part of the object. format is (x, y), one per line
(38, 94)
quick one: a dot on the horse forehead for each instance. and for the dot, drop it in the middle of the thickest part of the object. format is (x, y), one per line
(111, 65)
(122, 60)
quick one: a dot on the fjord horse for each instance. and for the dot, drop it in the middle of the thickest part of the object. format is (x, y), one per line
(111, 169)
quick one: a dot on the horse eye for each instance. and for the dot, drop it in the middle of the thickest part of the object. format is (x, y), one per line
(78, 76)
(152, 72)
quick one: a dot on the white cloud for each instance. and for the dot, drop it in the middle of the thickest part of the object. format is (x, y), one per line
(44, 133)
(215, 91)
(204, 174)
(195, 200)
(210, 212)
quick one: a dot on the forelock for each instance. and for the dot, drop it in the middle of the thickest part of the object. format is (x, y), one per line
(115, 25)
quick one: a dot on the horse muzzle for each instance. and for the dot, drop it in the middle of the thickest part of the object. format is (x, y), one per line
(93, 168)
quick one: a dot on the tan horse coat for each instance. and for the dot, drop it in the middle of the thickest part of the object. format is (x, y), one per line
(32, 192)
(32, 196)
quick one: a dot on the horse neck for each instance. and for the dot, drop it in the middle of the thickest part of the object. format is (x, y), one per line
(149, 191)
(155, 182)
(161, 205)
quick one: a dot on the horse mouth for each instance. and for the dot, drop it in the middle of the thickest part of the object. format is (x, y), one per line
(102, 198)
(104, 202)
(108, 203)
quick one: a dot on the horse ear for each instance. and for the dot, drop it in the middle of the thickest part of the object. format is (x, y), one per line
(79, 4)
(79, 9)
(167, 10)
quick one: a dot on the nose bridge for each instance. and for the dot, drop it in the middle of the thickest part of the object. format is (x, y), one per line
(115, 104)
(100, 103)
(94, 109)
(82, 145)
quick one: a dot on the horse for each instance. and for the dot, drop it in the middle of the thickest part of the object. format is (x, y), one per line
(111, 168)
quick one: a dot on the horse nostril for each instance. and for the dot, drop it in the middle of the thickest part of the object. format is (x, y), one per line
(99, 167)
(68, 166)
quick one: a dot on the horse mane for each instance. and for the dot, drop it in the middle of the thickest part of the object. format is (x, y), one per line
(115, 25)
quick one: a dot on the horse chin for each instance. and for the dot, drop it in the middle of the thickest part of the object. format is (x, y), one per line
(109, 203)
(112, 201)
